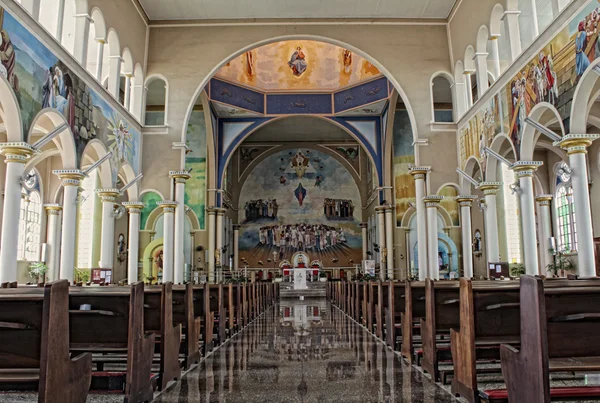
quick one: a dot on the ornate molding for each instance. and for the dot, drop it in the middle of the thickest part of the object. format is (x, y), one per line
(53, 209)
(134, 207)
(18, 152)
(418, 172)
(179, 176)
(576, 143)
(70, 177)
(465, 200)
(489, 188)
(432, 201)
(168, 206)
(544, 200)
(108, 195)
(525, 168)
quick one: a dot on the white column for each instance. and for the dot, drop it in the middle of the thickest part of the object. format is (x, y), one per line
(465, 203)
(32, 7)
(236, 247)
(52, 241)
(99, 58)
(82, 34)
(490, 189)
(210, 263)
(514, 34)
(544, 214)
(469, 88)
(107, 238)
(525, 171)
(495, 55)
(419, 175)
(389, 240)
(179, 259)
(380, 211)
(16, 154)
(534, 21)
(114, 75)
(168, 207)
(133, 247)
(480, 59)
(459, 96)
(219, 244)
(431, 203)
(71, 179)
(137, 97)
(365, 245)
(576, 146)
(127, 90)
(61, 19)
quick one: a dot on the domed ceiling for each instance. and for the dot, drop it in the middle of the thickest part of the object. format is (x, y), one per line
(298, 65)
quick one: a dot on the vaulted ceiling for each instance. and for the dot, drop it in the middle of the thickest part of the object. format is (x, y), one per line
(294, 9)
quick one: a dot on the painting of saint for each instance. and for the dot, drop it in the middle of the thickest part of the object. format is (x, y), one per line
(157, 267)
(581, 60)
(249, 65)
(300, 163)
(300, 193)
(298, 62)
(347, 61)
(7, 57)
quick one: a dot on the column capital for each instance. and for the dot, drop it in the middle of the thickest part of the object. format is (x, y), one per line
(211, 210)
(168, 206)
(576, 143)
(108, 195)
(489, 188)
(53, 209)
(220, 210)
(364, 225)
(236, 227)
(70, 177)
(16, 151)
(432, 201)
(465, 200)
(389, 207)
(544, 200)
(380, 209)
(418, 172)
(179, 176)
(525, 168)
(134, 207)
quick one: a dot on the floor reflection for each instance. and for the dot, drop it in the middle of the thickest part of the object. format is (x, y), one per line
(304, 351)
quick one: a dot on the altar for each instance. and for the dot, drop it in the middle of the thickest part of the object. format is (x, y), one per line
(299, 272)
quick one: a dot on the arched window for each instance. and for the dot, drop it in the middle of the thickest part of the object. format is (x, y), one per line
(512, 217)
(567, 231)
(156, 100)
(442, 99)
(96, 41)
(30, 224)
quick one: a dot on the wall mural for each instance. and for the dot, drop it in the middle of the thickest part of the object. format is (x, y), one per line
(302, 64)
(300, 200)
(404, 158)
(550, 77)
(195, 189)
(40, 80)
(450, 204)
(149, 199)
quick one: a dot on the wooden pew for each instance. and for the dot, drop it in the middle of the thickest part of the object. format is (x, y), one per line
(191, 322)
(396, 297)
(115, 324)
(489, 316)
(217, 306)
(34, 347)
(381, 300)
(560, 332)
(158, 319)
(414, 310)
(442, 313)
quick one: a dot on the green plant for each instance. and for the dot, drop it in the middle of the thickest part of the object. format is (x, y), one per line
(561, 263)
(322, 274)
(37, 270)
(517, 270)
(82, 276)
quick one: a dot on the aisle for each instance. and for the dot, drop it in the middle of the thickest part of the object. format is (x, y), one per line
(304, 351)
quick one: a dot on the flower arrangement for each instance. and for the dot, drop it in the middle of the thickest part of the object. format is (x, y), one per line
(38, 270)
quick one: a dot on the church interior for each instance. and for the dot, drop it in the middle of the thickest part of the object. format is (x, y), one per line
(325, 201)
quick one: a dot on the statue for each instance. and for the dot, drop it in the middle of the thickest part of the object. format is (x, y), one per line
(384, 255)
(217, 257)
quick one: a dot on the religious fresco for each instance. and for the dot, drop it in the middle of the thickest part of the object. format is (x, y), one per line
(149, 199)
(450, 204)
(404, 158)
(300, 200)
(298, 65)
(551, 76)
(195, 159)
(40, 80)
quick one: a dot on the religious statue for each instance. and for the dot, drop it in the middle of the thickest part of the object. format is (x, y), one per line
(384, 255)
(217, 257)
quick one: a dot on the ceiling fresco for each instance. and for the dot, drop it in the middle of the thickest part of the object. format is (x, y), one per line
(298, 65)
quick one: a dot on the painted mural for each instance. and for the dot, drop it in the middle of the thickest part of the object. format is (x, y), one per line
(551, 76)
(195, 189)
(300, 200)
(302, 64)
(149, 199)
(404, 158)
(40, 80)
(450, 204)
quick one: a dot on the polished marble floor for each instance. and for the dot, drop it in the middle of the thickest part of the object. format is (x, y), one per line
(304, 351)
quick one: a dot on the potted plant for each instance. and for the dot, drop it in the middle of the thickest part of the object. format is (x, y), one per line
(37, 271)
(517, 270)
(561, 264)
(322, 276)
(82, 276)
(278, 278)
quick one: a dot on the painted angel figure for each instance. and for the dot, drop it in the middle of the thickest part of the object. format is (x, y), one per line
(300, 163)
(298, 62)
(121, 140)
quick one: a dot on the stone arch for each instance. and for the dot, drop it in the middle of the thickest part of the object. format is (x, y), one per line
(460, 89)
(482, 38)
(44, 122)
(128, 174)
(92, 152)
(127, 64)
(496, 21)
(438, 78)
(583, 99)
(545, 114)
(472, 166)
(503, 146)
(10, 112)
